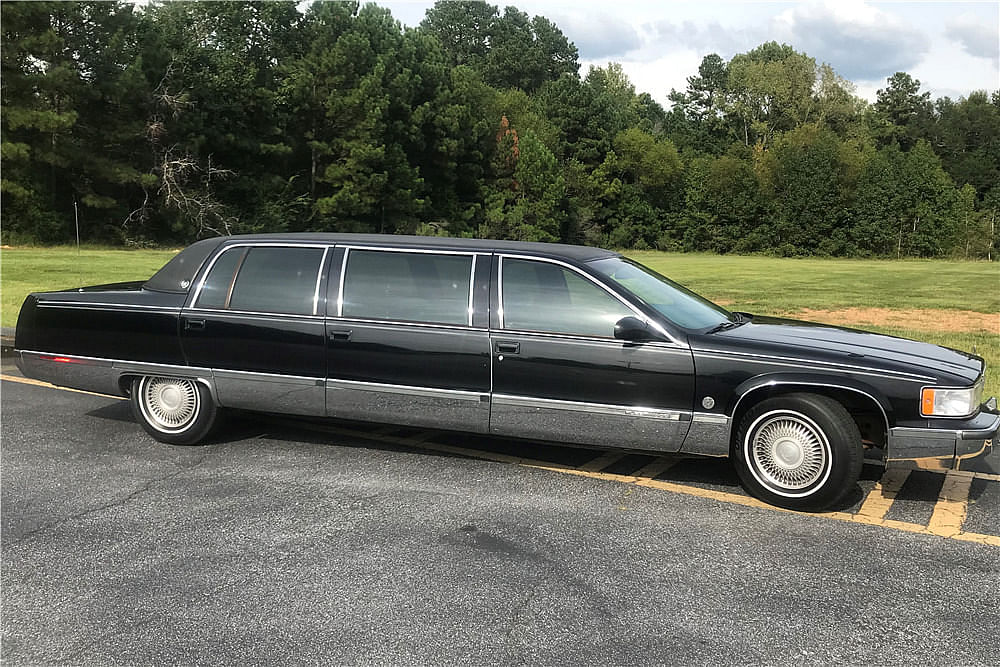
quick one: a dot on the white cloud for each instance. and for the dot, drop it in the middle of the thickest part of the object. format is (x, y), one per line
(946, 45)
(598, 36)
(977, 38)
(861, 42)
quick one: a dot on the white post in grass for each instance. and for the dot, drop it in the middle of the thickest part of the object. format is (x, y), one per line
(76, 219)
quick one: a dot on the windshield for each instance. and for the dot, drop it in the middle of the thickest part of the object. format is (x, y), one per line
(678, 304)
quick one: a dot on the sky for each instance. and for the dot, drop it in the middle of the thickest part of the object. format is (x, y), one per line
(953, 48)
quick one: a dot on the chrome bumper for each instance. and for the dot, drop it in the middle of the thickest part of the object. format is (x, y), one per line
(947, 447)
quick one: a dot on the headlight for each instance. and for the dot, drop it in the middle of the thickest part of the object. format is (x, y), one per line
(951, 402)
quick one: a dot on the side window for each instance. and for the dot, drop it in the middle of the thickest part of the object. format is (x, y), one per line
(264, 279)
(539, 296)
(215, 292)
(278, 280)
(414, 287)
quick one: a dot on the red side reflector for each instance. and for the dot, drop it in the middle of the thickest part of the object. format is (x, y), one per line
(61, 360)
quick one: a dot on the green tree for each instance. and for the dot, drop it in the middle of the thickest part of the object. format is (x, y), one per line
(71, 117)
(903, 113)
(806, 181)
(511, 50)
(526, 202)
(770, 90)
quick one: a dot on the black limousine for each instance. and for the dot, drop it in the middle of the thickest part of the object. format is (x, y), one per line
(528, 340)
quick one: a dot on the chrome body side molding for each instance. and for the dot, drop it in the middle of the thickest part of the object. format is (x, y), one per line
(708, 436)
(635, 427)
(408, 405)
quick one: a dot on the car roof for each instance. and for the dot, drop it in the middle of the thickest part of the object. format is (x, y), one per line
(574, 252)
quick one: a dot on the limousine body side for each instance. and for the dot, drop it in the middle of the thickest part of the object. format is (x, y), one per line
(535, 341)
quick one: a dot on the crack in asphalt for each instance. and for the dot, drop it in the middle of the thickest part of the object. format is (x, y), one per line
(118, 502)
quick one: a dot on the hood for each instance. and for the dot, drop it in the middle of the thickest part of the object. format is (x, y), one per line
(773, 335)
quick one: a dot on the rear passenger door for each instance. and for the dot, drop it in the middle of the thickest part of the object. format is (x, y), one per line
(256, 319)
(407, 336)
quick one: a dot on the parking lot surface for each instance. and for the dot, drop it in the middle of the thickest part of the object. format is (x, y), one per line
(332, 542)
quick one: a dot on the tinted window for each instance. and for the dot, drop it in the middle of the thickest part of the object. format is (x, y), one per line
(215, 291)
(278, 280)
(538, 296)
(418, 287)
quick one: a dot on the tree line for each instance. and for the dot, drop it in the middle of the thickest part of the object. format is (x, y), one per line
(169, 122)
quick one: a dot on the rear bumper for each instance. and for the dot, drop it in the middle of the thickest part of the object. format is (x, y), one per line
(946, 447)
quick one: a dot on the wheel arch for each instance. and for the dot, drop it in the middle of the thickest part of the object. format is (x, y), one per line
(125, 382)
(856, 397)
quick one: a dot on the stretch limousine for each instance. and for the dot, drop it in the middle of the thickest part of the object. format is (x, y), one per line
(527, 340)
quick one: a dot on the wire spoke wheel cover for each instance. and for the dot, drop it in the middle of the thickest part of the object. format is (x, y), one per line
(169, 404)
(788, 453)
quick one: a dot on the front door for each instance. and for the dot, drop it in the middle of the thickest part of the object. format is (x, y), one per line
(559, 373)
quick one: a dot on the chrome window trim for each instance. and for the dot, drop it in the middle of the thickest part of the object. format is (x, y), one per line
(614, 342)
(408, 390)
(340, 288)
(472, 287)
(422, 251)
(408, 323)
(319, 278)
(813, 364)
(247, 314)
(600, 408)
(251, 244)
(532, 258)
(96, 305)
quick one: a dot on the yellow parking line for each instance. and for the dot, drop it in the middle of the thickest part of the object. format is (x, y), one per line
(673, 487)
(946, 521)
(602, 461)
(880, 498)
(658, 466)
(951, 507)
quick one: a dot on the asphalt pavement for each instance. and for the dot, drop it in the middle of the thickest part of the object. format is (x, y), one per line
(299, 542)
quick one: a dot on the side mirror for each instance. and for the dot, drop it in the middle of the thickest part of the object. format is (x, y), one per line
(633, 329)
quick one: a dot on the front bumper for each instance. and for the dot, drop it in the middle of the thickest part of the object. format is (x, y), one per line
(946, 447)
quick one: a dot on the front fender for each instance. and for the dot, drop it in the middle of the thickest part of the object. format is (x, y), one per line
(746, 390)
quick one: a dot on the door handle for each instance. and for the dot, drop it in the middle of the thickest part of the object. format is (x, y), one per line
(508, 348)
(340, 334)
(194, 325)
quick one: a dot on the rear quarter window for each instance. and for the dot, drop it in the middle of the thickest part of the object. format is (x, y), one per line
(178, 274)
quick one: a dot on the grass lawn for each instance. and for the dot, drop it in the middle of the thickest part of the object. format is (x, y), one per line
(754, 284)
(778, 284)
(26, 270)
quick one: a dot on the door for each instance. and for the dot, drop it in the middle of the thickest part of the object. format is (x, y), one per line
(408, 340)
(256, 320)
(559, 373)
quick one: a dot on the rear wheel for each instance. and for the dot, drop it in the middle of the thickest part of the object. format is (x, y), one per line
(179, 411)
(801, 451)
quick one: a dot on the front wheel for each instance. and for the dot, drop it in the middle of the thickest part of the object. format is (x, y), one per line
(800, 451)
(178, 411)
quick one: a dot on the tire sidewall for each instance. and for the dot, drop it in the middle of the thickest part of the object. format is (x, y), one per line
(195, 431)
(840, 439)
